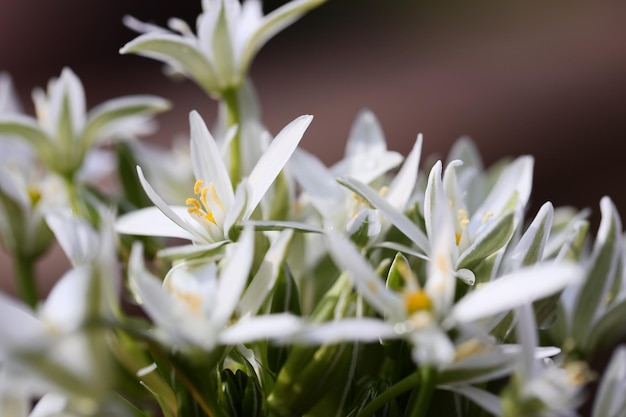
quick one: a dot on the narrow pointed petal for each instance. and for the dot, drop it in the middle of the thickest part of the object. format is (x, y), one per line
(398, 219)
(150, 222)
(531, 246)
(181, 53)
(610, 398)
(265, 278)
(272, 24)
(233, 279)
(19, 326)
(366, 135)
(268, 225)
(316, 180)
(514, 290)
(364, 278)
(273, 160)
(112, 111)
(348, 330)
(273, 327)
(61, 314)
(488, 401)
(401, 188)
(169, 211)
(77, 238)
(208, 165)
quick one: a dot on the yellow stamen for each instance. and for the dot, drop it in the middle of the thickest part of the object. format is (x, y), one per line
(383, 191)
(417, 301)
(469, 348)
(457, 237)
(487, 216)
(200, 206)
(34, 194)
(196, 187)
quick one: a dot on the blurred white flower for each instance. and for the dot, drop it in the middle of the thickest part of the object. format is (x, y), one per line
(64, 132)
(229, 34)
(197, 303)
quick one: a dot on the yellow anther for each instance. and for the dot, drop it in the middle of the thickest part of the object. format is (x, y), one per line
(201, 207)
(417, 301)
(193, 202)
(457, 237)
(383, 191)
(34, 194)
(578, 373)
(487, 216)
(196, 187)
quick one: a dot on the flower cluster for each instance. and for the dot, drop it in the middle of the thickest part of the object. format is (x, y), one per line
(375, 286)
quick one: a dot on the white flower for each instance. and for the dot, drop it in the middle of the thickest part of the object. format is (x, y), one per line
(541, 387)
(610, 400)
(229, 34)
(472, 236)
(64, 132)
(25, 198)
(195, 306)
(215, 209)
(424, 315)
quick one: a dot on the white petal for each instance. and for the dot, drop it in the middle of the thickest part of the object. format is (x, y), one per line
(207, 161)
(77, 238)
(18, 327)
(273, 160)
(150, 222)
(265, 278)
(233, 279)
(170, 212)
(514, 290)
(401, 188)
(50, 405)
(317, 181)
(273, 326)
(364, 278)
(485, 399)
(64, 315)
(398, 219)
(348, 330)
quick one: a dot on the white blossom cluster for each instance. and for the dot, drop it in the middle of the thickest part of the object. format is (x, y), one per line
(374, 287)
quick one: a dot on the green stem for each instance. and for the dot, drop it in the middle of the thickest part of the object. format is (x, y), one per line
(232, 118)
(426, 392)
(392, 392)
(25, 276)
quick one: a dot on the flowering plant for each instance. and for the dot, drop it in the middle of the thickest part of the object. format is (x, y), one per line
(372, 287)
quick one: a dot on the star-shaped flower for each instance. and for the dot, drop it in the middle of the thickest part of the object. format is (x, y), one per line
(229, 34)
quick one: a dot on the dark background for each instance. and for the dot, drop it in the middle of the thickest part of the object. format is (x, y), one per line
(546, 78)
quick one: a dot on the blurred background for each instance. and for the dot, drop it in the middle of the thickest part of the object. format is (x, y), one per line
(546, 78)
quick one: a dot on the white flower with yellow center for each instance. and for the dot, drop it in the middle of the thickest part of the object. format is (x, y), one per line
(229, 34)
(214, 209)
(472, 237)
(424, 315)
(64, 132)
(198, 303)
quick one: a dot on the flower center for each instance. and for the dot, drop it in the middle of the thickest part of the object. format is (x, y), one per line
(34, 194)
(415, 301)
(201, 205)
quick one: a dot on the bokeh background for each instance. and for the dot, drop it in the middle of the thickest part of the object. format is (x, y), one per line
(546, 78)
